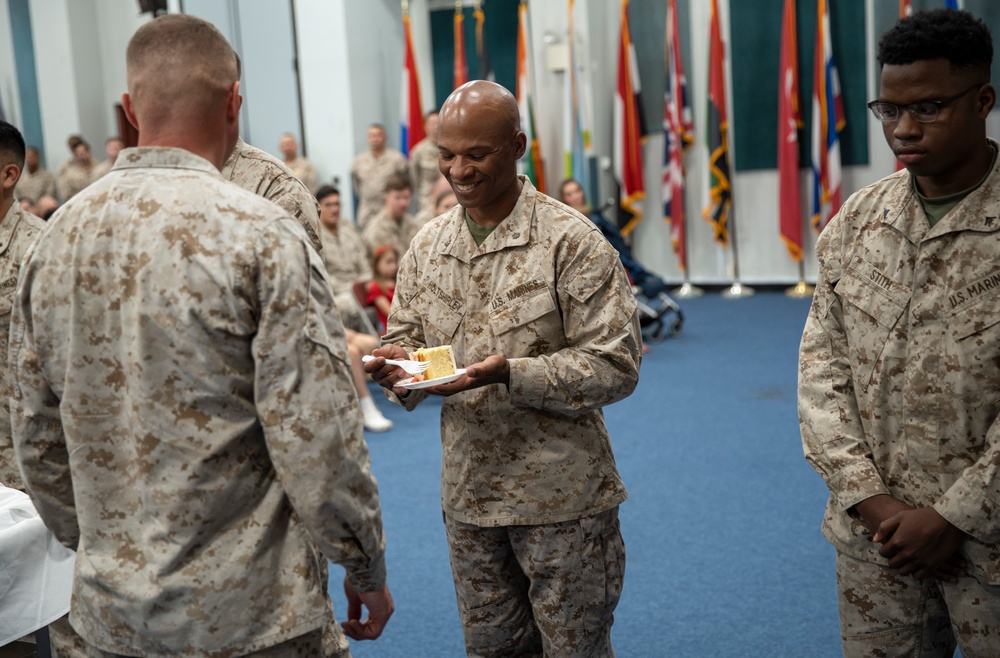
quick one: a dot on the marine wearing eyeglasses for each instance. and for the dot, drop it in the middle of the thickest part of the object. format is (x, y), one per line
(899, 368)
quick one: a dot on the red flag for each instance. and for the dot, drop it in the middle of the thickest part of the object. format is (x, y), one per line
(628, 133)
(411, 117)
(789, 123)
(720, 192)
(461, 65)
(678, 136)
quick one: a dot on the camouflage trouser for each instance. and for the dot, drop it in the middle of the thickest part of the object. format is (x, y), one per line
(883, 614)
(308, 645)
(65, 641)
(538, 590)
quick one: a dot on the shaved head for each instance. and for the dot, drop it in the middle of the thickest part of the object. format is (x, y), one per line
(482, 96)
(479, 144)
(178, 63)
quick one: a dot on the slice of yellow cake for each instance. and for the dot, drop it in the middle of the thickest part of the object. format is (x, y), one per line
(441, 360)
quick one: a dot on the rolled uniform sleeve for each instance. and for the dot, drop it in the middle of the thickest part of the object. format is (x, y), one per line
(600, 365)
(308, 407)
(833, 437)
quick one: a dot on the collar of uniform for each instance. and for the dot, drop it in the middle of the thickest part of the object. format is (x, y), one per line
(162, 157)
(9, 225)
(513, 231)
(976, 212)
(230, 164)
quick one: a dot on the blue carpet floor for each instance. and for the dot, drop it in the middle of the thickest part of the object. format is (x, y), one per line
(725, 557)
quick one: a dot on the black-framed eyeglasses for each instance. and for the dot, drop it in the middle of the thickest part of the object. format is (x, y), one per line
(921, 111)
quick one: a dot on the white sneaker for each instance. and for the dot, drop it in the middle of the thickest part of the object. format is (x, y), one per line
(374, 420)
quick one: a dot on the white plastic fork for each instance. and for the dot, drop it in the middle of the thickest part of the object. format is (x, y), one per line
(412, 367)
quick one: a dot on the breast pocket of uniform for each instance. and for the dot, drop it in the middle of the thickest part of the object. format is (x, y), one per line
(529, 325)
(975, 335)
(440, 320)
(871, 314)
(7, 289)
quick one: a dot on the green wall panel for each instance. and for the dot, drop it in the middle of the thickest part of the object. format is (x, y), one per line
(754, 52)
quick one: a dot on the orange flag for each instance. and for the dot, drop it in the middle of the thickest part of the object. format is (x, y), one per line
(461, 65)
(789, 124)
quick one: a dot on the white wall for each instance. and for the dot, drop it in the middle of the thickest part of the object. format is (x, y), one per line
(327, 112)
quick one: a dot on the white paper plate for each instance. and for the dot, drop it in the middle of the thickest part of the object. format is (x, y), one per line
(433, 382)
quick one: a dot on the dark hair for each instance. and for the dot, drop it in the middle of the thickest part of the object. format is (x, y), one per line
(397, 183)
(325, 191)
(75, 140)
(11, 145)
(950, 34)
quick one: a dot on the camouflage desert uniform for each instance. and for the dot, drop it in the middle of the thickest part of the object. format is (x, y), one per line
(178, 376)
(383, 229)
(305, 172)
(530, 468)
(898, 394)
(35, 186)
(370, 175)
(265, 175)
(424, 172)
(71, 178)
(18, 230)
(346, 258)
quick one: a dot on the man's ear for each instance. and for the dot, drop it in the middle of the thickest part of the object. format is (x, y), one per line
(129, 110)
(234, 103)
(520, 144)
(9, 174)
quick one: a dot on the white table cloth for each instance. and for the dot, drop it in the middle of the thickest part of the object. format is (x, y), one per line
(36, 571)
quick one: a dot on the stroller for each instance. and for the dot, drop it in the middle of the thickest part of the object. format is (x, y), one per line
(659, 316)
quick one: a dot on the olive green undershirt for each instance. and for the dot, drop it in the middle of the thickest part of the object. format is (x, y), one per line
(936, 209)
(479, 233)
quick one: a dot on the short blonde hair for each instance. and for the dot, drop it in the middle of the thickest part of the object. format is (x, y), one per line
(178, 59)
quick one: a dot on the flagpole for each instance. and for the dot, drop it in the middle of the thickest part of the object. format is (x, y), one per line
(801, 290)
(686, 291)
(737, 290)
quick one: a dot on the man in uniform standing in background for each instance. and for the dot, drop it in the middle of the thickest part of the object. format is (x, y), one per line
(300, 166)
(370, 172)
(424, 170)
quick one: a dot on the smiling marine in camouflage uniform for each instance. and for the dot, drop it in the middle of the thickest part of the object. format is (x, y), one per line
(536, 305)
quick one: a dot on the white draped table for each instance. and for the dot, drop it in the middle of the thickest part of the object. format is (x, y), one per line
(36, 571)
